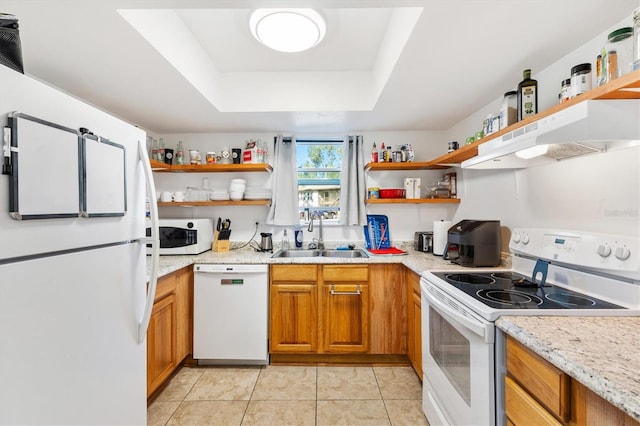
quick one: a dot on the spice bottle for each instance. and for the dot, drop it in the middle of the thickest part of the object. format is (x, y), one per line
(388, 155)
(161, 150)
(527, 96)
(374, 153)
(509, 109)
(154, 149)
(381, 156)
(565, 91)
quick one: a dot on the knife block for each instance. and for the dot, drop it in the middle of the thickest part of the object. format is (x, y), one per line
(218, 245)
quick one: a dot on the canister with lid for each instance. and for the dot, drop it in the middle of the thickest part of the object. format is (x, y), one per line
(580, 79)
(509, 109)
(617, 54)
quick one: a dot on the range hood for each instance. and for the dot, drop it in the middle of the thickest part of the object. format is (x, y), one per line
(584, 128)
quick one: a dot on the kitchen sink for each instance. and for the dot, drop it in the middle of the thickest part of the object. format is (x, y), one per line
(321, 253)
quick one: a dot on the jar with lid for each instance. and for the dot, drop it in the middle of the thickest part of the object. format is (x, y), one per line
(617, 55)
(509, 109)
(580, 79)
(636, 39)
(565, 91)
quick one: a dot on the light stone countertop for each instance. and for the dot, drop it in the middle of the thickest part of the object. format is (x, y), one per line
(602, 353)
(414, 260)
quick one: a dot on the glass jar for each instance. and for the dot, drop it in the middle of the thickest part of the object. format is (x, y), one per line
(509, 109)
(636, 39)
(617, 54)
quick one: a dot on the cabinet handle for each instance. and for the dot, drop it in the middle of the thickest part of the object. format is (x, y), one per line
(355, 293)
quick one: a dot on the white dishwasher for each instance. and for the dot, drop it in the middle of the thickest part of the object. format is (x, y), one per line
(230, 314)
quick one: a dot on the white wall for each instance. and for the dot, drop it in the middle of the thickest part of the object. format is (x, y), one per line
(598, 193)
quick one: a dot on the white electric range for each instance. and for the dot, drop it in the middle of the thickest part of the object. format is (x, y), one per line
(554, 272)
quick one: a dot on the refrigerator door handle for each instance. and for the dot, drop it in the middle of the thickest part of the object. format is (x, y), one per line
(155, 243)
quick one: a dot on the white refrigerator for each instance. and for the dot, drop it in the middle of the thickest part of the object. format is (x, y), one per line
(74, 304)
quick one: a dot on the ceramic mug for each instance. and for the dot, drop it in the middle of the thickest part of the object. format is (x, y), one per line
(195, 156)
(166, 197)
(178, 196)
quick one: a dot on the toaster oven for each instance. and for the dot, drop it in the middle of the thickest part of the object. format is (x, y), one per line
(184, 236)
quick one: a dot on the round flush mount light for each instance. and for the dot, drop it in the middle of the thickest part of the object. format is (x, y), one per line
(287, 30)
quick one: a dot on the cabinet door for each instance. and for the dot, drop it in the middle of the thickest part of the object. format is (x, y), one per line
(344, 321)
(294, 318)
(184, 318)
(161, 342)
(388, 301)
(415, 333)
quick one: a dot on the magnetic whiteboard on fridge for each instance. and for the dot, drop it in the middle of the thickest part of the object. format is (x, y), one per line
(105, 178)
(45, 182)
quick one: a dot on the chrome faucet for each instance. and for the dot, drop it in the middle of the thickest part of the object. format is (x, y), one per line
(320, 245)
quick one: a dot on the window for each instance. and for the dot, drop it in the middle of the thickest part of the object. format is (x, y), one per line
(318, 165)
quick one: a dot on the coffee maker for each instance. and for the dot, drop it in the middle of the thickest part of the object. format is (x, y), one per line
(474, 243)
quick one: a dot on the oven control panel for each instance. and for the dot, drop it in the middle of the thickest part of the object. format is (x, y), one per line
(613, 254)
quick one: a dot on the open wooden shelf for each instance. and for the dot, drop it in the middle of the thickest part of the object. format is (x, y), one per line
(413, 201)
(215, 203)
(412, 165)
(625, 87)
(209, 168)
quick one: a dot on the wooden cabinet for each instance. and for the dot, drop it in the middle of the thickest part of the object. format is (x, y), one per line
(317, 309)
(387, 304)
(293, 309)
(161, 342)
(170, 332)
(536, 392)
(344, 309)
(414, 321)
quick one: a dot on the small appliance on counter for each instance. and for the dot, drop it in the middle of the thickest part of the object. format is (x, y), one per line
(474, 243)
(184, 236)
(423, 241)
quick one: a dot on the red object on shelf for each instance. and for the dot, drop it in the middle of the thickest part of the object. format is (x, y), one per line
(392, 193)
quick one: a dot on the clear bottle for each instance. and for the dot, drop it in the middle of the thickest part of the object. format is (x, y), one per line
(161, 151)
(285, 240)
(527, 96)
(154, 150)
(388, 155)
(636, 39)
(179, 153)
(381, 156)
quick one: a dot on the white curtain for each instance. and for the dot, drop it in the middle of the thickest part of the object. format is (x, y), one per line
(284, 179)
(352, 186)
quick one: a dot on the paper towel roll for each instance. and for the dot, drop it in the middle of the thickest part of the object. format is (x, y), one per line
(440, 236)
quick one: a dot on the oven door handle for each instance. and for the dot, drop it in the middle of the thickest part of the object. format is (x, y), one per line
(448, 307)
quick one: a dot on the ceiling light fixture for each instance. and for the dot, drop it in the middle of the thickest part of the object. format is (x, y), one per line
(287, 30)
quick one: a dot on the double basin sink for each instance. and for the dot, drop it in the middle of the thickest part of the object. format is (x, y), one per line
(351, 254)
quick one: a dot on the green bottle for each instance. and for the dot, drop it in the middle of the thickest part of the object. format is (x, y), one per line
(527, 96)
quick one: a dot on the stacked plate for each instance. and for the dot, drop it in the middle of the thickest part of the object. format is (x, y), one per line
(252, 193)
(219, 195)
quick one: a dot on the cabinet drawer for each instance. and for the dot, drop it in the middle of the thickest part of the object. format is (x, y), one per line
(294, 273)
(345, 273)
(549, 385)
(522, 409)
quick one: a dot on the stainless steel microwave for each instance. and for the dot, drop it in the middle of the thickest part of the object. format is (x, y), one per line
(184, 236)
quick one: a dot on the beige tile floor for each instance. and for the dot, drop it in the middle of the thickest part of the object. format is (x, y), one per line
(290, 395)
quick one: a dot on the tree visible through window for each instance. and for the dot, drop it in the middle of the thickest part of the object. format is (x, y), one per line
(318, 166)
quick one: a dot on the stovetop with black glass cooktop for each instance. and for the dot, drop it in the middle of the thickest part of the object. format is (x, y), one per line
(510, 290)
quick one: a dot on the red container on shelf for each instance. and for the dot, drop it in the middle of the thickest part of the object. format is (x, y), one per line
(392, 193)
